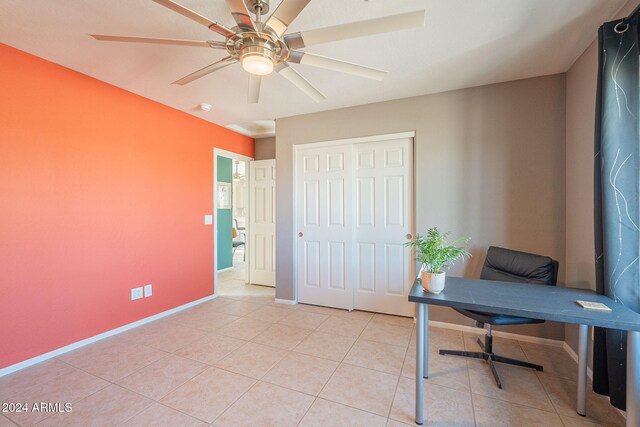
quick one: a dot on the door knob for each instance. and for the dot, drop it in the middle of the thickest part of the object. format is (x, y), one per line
(408, 236)
(300, 234)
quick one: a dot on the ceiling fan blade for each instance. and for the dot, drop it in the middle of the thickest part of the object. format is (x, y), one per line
(319, 61)
(153, 40)
(300, 82)
(206, 70)
(240, 13)
(284, 15)
(213, 26)
(352, 30)
(254, 88)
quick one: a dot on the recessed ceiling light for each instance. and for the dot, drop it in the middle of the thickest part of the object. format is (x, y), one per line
(205, 107)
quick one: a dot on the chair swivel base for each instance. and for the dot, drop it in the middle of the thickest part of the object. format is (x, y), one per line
(488, 355)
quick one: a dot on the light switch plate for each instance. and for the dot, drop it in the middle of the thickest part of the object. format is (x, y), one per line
(148, 290)
(208, 219)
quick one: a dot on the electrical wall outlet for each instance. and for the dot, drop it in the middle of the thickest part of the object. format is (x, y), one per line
(136, 293)
(148, 290)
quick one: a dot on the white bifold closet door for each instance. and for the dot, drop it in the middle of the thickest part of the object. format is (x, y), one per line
(383, 273)
(323, 218)
(262, 222)
(353, 216)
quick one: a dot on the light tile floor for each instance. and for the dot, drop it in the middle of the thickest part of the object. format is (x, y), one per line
(243, 360)
(232, 282)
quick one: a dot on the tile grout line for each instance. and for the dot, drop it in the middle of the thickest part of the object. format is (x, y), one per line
(116, 385)
(254, 379)
(340, 361)
(307, 411)
(110, 383)
(140, 411)
(235, 401)
(134, 391)
(544, 388)
(289, 388)
(348, 406)
(172, 389)
(180, 411)
(498, 398)
(153, 401)
(404, 360)
(166, 355)
(553, 403)
(555, 409)
(38, 383)
(522, 405)
(473, 407)
(9, 420)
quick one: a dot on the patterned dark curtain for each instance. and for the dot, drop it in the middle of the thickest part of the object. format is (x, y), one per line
(617, 175)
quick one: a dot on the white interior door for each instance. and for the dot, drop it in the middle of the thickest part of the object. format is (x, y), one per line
(324, 226)
(383, 271)
(262, 222)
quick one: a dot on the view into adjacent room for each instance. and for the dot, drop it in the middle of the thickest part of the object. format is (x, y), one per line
(233, 216)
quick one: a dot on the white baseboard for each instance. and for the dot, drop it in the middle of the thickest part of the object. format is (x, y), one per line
(95, 338)
(508, 335)
(574, 356)
(225, 269)
(286, 301)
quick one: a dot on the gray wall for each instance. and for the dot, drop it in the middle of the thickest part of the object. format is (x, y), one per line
(490, 164)
(581, 96)
(265, 148)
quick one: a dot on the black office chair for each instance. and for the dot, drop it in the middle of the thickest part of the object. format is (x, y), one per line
(508, 266)
(237, 243)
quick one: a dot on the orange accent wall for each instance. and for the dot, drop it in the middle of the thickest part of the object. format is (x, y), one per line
(101, 191)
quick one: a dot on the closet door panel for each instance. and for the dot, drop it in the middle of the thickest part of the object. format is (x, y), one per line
(383, 205)
(324, 226)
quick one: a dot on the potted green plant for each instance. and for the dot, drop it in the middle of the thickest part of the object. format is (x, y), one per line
(433, 252)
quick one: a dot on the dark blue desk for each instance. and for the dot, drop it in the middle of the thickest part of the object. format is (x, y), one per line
(536, 302)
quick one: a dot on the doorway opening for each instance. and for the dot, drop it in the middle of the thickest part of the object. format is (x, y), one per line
(232, 253)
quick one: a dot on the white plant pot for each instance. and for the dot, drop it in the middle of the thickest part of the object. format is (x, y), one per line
(433, 282)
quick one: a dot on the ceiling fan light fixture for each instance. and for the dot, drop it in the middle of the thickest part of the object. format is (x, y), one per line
(257, 64)
(257, 55)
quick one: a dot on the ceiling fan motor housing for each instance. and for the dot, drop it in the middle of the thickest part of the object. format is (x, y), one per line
(257, 43)
(259, 46)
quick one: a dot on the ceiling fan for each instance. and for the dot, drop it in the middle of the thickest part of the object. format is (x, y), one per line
(237, 175)
(262, 47)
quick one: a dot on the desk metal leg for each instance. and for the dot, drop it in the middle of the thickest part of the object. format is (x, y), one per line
(633, 378)
(583, 351)
(425, 327)
(420, 360)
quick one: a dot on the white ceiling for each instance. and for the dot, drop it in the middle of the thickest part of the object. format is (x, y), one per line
(464, 43)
